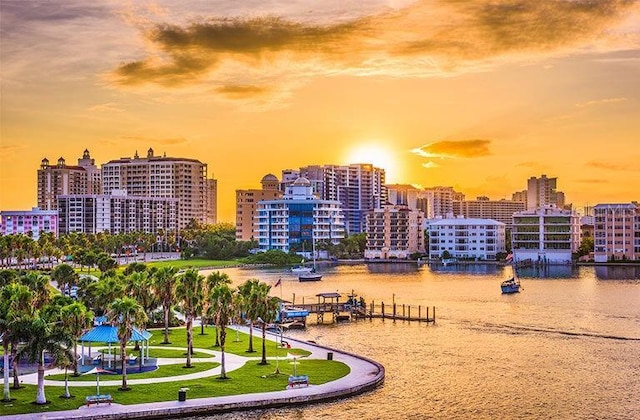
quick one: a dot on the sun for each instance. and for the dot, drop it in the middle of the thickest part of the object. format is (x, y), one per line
(374, 153)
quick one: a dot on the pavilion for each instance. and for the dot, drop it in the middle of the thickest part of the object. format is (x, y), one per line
(109, 334)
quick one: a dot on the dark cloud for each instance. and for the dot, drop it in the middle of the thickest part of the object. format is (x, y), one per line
(242, 91)
(455, 149)
(29, 11)
(424, 38)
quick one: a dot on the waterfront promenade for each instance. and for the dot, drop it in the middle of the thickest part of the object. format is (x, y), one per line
(364, 375)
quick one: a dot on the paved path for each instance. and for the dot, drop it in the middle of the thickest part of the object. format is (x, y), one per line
(364, 375)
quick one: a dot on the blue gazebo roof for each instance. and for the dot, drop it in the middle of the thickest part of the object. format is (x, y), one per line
(109, 334)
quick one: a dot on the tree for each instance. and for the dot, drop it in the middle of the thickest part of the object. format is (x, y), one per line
(164, 285)
(126, 314)
(265, 307)
(222, 299)
(212, 281)
(189, 293)
(76, 318)
(138, 285)
(248, 306)
(64, 275)
(45, 336)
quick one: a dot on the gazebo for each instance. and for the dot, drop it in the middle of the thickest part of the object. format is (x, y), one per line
(109, 334)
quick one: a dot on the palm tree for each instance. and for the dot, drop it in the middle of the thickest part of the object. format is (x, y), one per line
(212, 281)
(164, 286)
(189, 293)
(76, 318)
(45, 336)
(126, 314)
(266, 308)
(222, 298)
(64, 275)
(39, 285)
(247, 306)
(139, 286)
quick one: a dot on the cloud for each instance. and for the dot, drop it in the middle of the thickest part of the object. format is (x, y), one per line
(430, 165)
(454, 149)
(425, 38)
(600, 102)
(610, 166)
(149, 140)
(10, 149)
(242, 91)
(592, 181)
(106, 107)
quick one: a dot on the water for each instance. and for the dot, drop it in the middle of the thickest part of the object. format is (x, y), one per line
(567, 347)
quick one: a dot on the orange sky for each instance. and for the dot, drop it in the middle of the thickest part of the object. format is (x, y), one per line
(477, 95)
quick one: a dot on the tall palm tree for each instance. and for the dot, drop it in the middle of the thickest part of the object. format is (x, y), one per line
(164, 286)
(248, 306)
(138, 285)
(45, 336)
(212, 281)
(39, 285)
(189, 293)
(222, 298)
(76, 319)
(266, 307)
(126, 314)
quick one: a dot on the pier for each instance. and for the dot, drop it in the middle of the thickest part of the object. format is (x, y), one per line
(329, 308)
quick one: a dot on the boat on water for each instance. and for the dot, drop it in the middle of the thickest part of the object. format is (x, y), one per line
(510, 286)
(513, 284)
(312, 275)
(299, 269)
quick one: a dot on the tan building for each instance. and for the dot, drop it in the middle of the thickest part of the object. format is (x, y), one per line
(542, 192)
(247, 204)
(59, 179)
(616, 232)
(483, 208)
(164, 177)
(212, 201)
(440, 201)
(394, 232)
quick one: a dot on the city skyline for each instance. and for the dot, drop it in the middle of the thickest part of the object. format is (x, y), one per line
(477, 96)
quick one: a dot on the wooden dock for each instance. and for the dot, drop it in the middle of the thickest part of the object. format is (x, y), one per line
(329, 306)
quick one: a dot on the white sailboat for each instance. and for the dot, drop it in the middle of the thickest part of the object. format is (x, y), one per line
(311, 275)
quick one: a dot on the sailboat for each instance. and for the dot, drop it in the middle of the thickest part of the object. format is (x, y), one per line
(302, 269)
(311, 275)
(513, 284)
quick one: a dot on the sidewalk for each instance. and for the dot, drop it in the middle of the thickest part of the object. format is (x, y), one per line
(364, 375)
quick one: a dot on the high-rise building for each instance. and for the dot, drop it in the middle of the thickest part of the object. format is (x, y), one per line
(164, 177)
(94, 177)
(394, 232)
(358, 187)
(212, 201)
(407, 195)
(298, 220)
(440, 201)
(480, 239)
(247, 205)
(616, 232)
(117, 213)
(545, 235)
(542, 192)
(29, 222)
(483, 208)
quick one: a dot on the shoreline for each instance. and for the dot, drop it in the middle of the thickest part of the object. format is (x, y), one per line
(365, 375)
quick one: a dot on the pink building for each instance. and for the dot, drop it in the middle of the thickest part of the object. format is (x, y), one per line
(35, 221)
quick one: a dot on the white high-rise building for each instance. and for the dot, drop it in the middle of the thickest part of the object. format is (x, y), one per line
(298, 220)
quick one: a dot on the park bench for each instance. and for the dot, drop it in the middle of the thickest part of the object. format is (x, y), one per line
(96, 360)
(97, 399)
(298, 381)
(133, 359)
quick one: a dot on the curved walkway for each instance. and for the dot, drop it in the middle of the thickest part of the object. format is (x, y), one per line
(364, 375)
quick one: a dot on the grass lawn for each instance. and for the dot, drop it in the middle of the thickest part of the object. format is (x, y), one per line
(155, 353)
(178, 338)
(162, 372)
(251, 378)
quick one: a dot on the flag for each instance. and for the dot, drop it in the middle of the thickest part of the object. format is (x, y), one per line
(278, 283)
(509, 258)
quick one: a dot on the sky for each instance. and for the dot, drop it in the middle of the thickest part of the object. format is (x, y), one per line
(479, 95)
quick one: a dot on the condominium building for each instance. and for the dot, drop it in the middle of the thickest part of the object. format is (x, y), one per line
(394, 232)
(545, 235)
(59, 179)
(164, 177)
(542, 192)
(440, 201)
(247, 205)
(479, 239)
(117, 213)
(211, 213)
(358, 187)
(616, 232)
(407, 195)
(32, 222)
(298, 220)
(483, 208)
